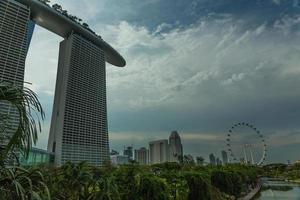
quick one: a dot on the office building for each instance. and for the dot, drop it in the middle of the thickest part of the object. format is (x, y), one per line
(141, 156)
(114, 152)
(218, 161)
(128, 151)
(224, 157)
(189, 159)
(175, 147)
(159, 151)
(212, 159)
(119, 160)
(200, 160)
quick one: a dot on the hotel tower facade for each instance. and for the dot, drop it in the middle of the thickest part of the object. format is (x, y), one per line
(79, 123)
(15, 34)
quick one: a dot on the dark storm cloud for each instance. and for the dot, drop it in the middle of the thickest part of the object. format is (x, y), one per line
(152, 13)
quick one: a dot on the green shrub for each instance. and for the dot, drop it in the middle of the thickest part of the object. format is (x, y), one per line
(198, 186)
(153, 188)
(227, 181)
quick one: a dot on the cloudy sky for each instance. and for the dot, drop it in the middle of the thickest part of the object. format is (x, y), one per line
(195, 66)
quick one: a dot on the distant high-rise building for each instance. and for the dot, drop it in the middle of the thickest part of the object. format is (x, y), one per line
(114, 152)
(175, 147)
(212, 159)
(141, 156)
(218, 161)
(224, 157)
(79, 121)
(119, 160)
(15, 34)
(189, 159)
(200, 160)
(128, 151)
(159, 151)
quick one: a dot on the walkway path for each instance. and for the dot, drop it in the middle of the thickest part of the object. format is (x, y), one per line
(253, 192)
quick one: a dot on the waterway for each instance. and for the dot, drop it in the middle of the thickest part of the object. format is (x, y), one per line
(279, 190)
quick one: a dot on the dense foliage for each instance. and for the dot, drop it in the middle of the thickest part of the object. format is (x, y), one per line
(156, 182)
(282, 171)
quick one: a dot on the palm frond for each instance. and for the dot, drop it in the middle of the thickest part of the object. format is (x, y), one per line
(30, 113)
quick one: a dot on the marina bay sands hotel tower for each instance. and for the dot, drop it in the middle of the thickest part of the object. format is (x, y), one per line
(78, 129)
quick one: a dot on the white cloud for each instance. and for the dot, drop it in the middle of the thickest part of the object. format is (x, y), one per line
(287, 24)
(169, 68)
(234, 78)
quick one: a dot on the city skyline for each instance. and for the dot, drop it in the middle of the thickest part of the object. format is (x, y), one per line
(222, 66)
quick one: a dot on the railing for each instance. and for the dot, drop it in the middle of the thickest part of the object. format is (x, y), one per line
(253, 192)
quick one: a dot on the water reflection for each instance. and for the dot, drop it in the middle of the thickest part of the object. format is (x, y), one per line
(279, 190)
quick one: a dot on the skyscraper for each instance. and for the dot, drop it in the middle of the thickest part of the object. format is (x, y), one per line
(224, 157)
(218, 161)
(141, 156)
(159, 151)
(189, 159)
(114, 152)
(212, 159)
(119, 160)
(14, 42)
(128, 151)
(79, 121)
(200, 160)
(175, 147)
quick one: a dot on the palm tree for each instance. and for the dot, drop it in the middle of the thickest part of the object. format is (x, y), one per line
(73, 181)
(104, 188)
(30, 112)
(153, 188)
(17, 182)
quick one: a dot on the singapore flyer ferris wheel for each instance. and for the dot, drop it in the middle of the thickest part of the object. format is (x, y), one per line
(246, 144)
